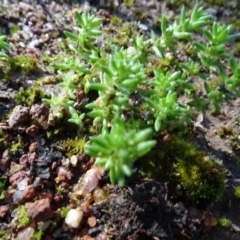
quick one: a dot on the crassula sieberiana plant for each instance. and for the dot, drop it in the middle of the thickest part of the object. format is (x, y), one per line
(134, 104)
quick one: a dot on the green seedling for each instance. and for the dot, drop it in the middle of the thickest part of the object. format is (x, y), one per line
(64, 211)
(23, 219)
(38, 235)
(224, 222)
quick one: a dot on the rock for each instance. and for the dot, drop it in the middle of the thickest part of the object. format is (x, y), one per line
(27, 159)
(144, 27)
(4, 209)
(32, 130)
(63, 174)
(17, 196)
(43, 225)
(16, 178)
(25, 234)
(22, 184)
(15, 168)
(19, 116)
(89, 182)
(24, 7)
(212, 11)
(39, 110)
(210, 221)
(92, 221)
(74, 218)
(29, 192)
(5, 160)
(39, 210)
(74, 160)
(99, 195)
(151, 4)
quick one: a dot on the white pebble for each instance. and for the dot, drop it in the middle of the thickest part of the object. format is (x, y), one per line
(17, 195)
(74, 218)
(25, 234)
(22, 184)
(74, 160)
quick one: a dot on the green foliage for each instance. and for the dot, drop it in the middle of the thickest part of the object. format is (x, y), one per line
(64, 211)
(57, 104)
(26, 64)
(128, 3)
(181, 164)
(117, 149)
(73, 146)
(2, 185)
(237, 192)
(14, 29)
(23, 219)
(38, 235)
(224, 222)
(201, 177)
(115, 20)
(17, 145)
(29, 96)
(120, 78)
(4, 46)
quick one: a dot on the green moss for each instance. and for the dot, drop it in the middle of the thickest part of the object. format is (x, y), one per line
(236, 49)
(235, 23)
(166, 64)
(237, 192)
(122, 36)
(218, 3)
(23, 219)
(15, 146)
(128, 3)
(188, 49)
(26, 64)
(214, 82)
(49, 80)
(29, 96)
(3, 139)
(115, 20)
(179, 163)
(139, 14)
(225, 130)
(178, 3)
(14, 29)
(3, 180)
(73, 146)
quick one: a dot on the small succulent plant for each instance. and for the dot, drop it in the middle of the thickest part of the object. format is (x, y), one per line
(120, 78)
(4, 46)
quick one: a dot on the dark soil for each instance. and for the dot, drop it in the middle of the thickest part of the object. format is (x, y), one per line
(144, 208)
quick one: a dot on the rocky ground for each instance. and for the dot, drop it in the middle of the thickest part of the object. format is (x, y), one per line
(42, 180)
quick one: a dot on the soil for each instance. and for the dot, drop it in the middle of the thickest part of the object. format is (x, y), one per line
(143, 209)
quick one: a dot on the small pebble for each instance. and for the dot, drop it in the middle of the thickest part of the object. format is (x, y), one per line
(22, 184)
(74, 218)
(144, 27)
(25, 234)
(17, 195)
